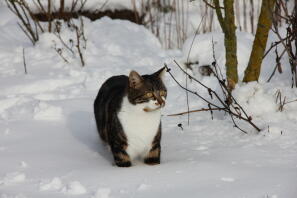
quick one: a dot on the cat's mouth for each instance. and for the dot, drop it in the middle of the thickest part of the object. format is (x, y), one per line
(148, 109)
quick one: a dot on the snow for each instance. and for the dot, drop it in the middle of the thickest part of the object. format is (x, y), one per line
(23, 164)
(47, 112)
(102, 193)
(89, 5)
(143, 187)
(74, 188)
(54, 184)
(227, 179)
(12, 178)
(192, 50)
(49, 146)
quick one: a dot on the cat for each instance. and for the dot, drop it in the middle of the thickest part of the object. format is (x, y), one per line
(128, 116)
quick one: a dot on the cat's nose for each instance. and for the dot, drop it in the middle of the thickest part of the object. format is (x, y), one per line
(160, 103)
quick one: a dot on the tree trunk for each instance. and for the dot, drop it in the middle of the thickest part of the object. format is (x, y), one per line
(230, 44)
(228, 26)
(253, 69)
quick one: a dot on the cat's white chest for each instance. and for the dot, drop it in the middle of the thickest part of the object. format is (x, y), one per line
(140, 127)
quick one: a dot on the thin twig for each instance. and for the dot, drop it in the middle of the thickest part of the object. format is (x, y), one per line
(24, 61)
(78, 36)
(188, 57)
(58, 35)
(210, 5)
(60, 52)
(184, 88)
(197, 110)
(274, 70)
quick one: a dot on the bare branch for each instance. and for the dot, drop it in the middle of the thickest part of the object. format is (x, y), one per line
(193, 111)
(225, 106)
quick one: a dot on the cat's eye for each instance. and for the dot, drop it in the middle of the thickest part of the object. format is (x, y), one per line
(149, 94)
(162, 93)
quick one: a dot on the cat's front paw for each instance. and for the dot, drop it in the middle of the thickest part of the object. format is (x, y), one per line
(152, 161)
(124, 164)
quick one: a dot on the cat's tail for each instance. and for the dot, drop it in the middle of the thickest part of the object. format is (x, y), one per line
(100, 128)
(100, 116)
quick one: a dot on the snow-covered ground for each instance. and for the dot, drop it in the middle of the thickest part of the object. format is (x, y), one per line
(90, 5)
(49, 146)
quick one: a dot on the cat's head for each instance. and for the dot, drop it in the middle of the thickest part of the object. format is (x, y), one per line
(148, 91)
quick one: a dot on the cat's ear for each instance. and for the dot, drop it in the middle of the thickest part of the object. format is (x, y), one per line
(160, 73)
(135, 80)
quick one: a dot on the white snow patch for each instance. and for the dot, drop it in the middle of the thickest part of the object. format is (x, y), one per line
(40, 87)
(255, 99)
(13, 178)
(201, 148)
(7, 131)
(4, 195)
(74, 188)
(7, 103)
(179, 172)
(227, 179)
(23, 164)
(22, 108)
(102, 193)
(2, 148)
(45, 111)
(143, 187)
(54, 184)
(90, 5)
